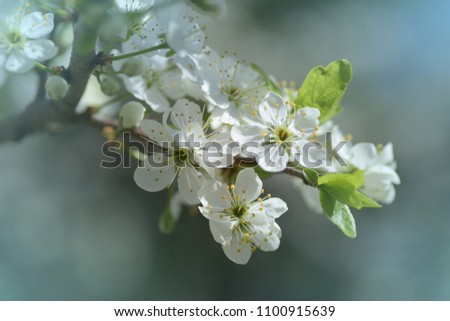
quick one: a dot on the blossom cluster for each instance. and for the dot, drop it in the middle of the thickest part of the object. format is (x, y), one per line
(216, 123)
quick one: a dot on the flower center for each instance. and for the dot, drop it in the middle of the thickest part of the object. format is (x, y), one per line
(14, 38)
(282, 134)
(183, 156)
(233, 93)
(239, 210)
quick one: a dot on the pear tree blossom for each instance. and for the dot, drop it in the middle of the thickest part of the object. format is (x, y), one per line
(206, 127)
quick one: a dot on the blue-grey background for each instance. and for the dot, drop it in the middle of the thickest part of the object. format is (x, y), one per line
(70, 230)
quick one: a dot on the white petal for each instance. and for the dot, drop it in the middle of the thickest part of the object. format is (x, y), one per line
(276, 229)
(363, 154)
(273, 158)
(248, 185)
(229, 116)
(185, 113)
(156, 99)
(221, 230)
(273, 109)
(385, 195)
(244, 134)
(237, 251)
(275, 207)
(257, 217)
(40, 49)
(171, 84)
(266, 239)
(138, 87)
(154, 179)
(35, 25)
(19, 63)
(306, 119)
(189, 183)
(156, 132)
(386, 156)
(381, 173)
(133, 5)
(212, 193)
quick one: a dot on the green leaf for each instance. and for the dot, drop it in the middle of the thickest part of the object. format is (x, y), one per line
(344, 187)
(355, 178)
(324, 87)
(339, 214)
(311, 175)
(328, 202)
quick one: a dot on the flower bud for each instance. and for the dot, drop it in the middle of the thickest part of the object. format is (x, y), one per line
(109, 86)
(131, 114)
(133, 67)
(56, 87)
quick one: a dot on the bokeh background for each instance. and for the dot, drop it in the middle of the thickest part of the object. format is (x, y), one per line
(71, 230)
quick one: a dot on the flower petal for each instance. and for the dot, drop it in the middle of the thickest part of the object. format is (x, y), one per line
(237, 250)
(307, 120)
(189, 182)
(214, 194)
(275, 207)
(185, 113)
(266, 239)
(19, 63)
(245, 134)
(221, 230)
(273, 109)
(363, 154)
(154, 179)
(273, 158)
(156, 132)
(35, 25)
(40, 49)
(248, 185)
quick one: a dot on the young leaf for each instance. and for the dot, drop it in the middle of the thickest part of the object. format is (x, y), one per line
(338, 213)
(344, 188)
(324, 87)
(327, 202)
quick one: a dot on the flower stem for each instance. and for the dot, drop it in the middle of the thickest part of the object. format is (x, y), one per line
(53, 71)
(140, 52)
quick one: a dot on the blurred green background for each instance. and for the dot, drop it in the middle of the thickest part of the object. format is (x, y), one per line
(71, 230)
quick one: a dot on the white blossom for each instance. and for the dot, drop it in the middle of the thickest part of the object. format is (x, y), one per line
(181, 138)
(279, 130)
(157, 83)
(232, 87)
(379, 170)
(239, 219)
(23, 41)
